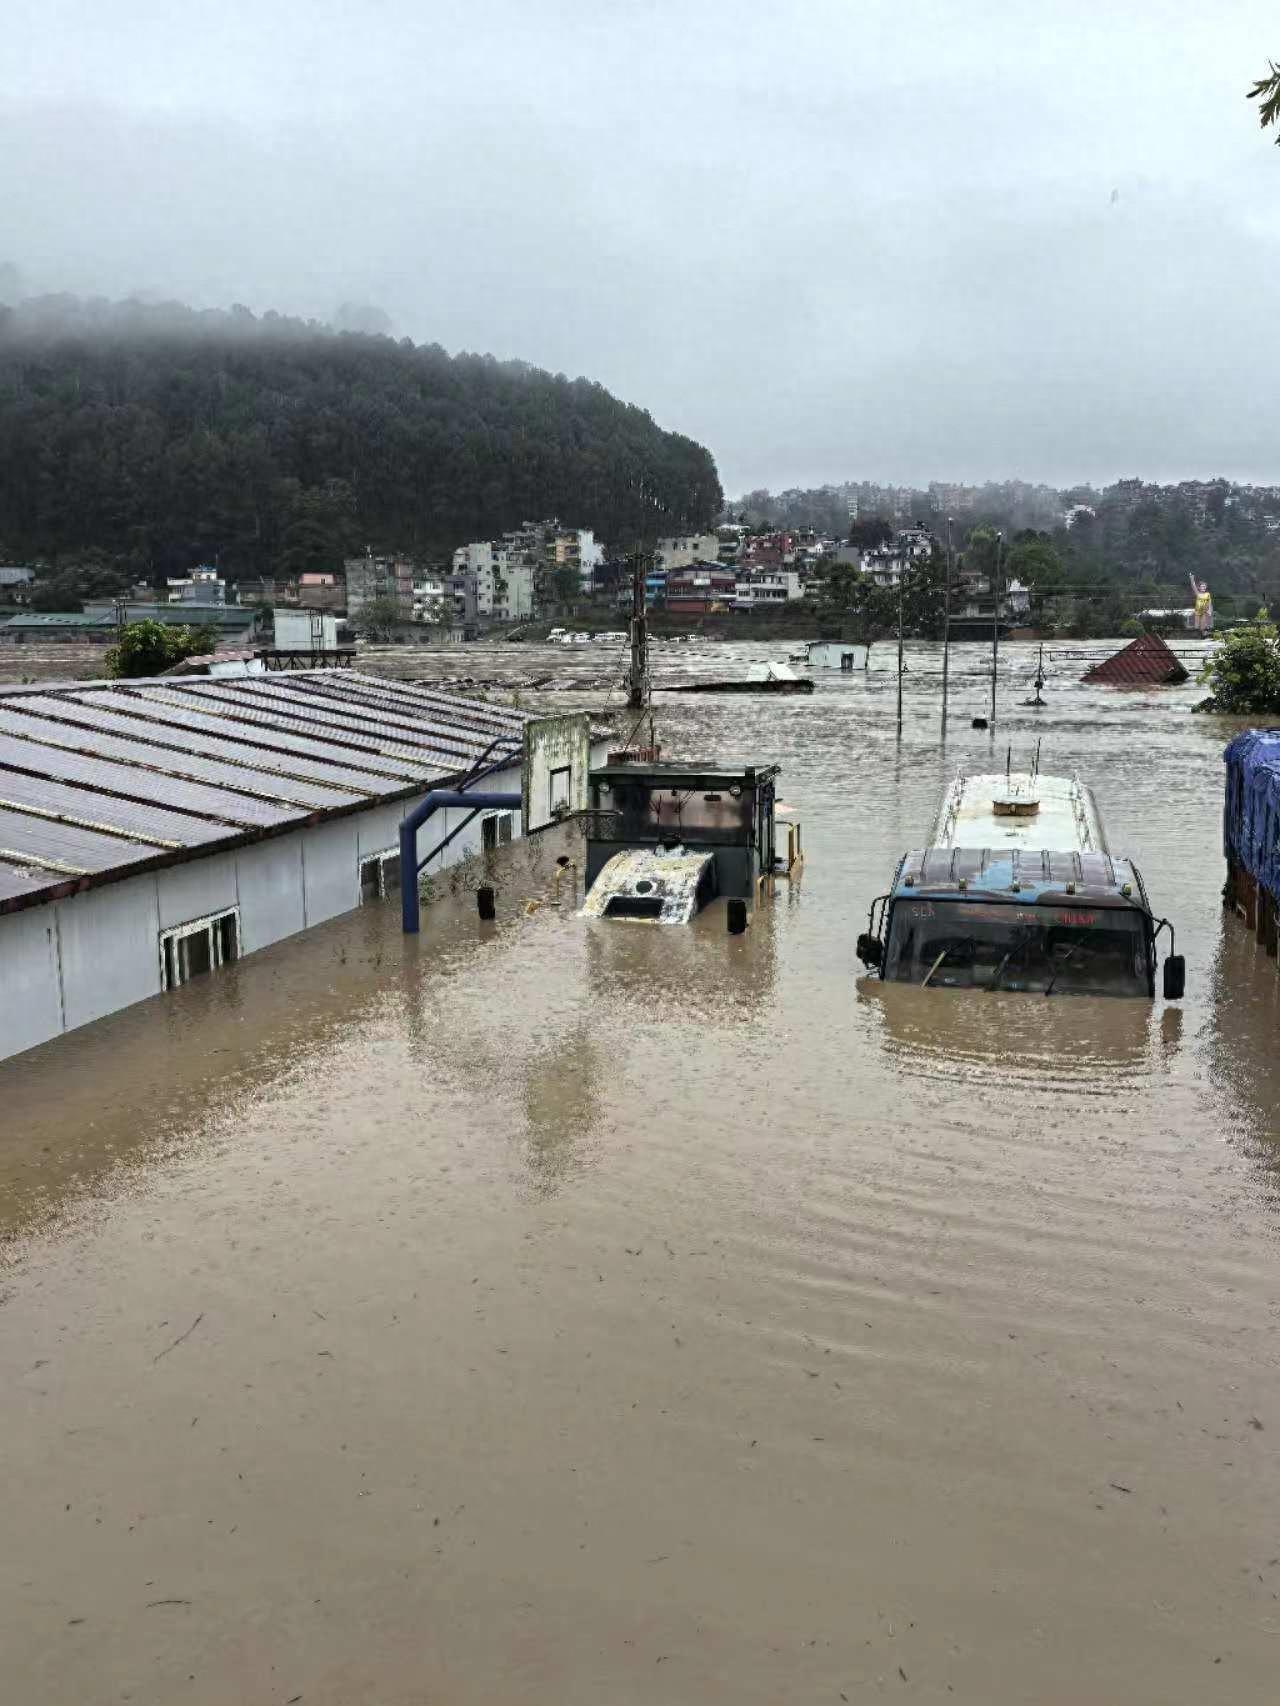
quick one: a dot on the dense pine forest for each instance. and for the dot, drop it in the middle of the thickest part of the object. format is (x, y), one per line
(145, 438)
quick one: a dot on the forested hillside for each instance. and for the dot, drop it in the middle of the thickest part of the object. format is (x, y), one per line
(155, 437)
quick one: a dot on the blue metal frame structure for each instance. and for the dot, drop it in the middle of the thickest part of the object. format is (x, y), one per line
(438, 800)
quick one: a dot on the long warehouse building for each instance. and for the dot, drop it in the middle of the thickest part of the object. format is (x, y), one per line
(154, 830)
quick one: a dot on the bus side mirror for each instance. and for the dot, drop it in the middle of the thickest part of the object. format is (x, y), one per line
(1175, 977)
(870, 950)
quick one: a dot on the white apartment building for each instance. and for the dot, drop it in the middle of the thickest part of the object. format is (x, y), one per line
(488, 563)
(764, 587)
(505, 577)
(886, 564)
(430, 598)
(515, 602)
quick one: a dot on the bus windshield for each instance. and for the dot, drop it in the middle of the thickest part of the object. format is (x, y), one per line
(1050, 949)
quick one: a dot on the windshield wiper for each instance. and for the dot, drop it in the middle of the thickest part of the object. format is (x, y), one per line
(1016, 952)
(951, 947)
(1048, 988)
(1017, 948)
(933, 968)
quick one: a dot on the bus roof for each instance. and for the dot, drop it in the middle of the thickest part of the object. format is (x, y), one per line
(1019, 811)
(1059, 878)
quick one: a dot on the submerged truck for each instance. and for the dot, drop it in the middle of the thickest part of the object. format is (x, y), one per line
(1018, 890)
(664, 840)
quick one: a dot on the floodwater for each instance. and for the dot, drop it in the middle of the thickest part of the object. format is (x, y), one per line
(564, 1314)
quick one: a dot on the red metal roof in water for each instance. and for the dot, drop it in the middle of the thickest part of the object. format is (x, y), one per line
(1144, 662)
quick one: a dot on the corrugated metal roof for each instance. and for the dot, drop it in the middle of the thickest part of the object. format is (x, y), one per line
(58, 619)
(100, 780)
(1144, 662)
(234, 619)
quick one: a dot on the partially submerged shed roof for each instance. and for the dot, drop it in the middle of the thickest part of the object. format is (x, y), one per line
(102, 780)
(1144, 662)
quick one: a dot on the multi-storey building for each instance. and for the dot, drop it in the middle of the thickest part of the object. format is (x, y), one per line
(371, 579)
(730, 537)
(762, 588)
(680, 551)
(487, 562)
(204, 585)
(515, 603)
(574, 548)
(431, 600)
(700, 588)
(505, 576)
(322, 591)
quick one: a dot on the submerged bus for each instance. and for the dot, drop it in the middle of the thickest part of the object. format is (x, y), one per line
(1017, 890)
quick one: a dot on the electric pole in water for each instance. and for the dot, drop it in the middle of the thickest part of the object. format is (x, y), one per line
(946, 631)
(638, 673)
(995, 624)
(901, 577)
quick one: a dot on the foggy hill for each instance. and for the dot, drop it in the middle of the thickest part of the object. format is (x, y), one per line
(158, 436)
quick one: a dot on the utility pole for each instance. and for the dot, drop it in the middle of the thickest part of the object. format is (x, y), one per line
(946, 632)
(901, 578)
(995, 624)
(638, 673)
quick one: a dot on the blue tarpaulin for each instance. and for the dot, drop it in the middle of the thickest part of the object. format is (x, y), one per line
(1251, 812)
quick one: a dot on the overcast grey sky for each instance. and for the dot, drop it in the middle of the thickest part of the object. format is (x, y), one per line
(879, 239)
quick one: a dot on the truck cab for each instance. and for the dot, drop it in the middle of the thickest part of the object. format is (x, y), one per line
(665, 840)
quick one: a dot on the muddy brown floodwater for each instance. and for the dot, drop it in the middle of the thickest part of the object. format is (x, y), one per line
(573, 1315)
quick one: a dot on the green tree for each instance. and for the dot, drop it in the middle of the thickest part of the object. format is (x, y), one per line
(68, 588)
(377, 620)
(924, 596)
(563, 586)
(320, 530)
(150, 648)
(980, 551)
(869, 531)
(1033, 559)
(869, 612)
(1266, 91)
(1244, 672)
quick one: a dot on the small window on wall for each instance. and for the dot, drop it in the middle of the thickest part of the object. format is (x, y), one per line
(189, 950)
(558, 804)
(379, 876)
(495, 832)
